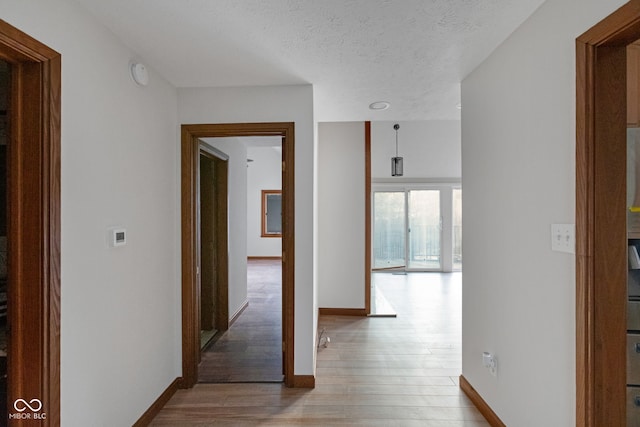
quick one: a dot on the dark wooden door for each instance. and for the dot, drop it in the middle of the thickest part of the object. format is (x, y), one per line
(208, 253)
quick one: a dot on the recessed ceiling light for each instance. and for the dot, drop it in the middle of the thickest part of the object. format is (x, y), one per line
(379, 105)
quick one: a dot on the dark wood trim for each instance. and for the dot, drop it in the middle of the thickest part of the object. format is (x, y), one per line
(190, 135)
(158, 404)
(263, 213)
(238, 312)
(264, 258)
(304, 381)
(17, 47)
(479, 403)
(585, 392)
(367, 218)
(601, 266)
(222, 243)
(34, 221)
(222, 233)
(618, 29)
(189, 193)
(342, 312)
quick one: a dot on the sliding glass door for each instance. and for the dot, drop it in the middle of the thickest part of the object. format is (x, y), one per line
(457, 229)
(425, 230)
(389, 240)
(417, 227)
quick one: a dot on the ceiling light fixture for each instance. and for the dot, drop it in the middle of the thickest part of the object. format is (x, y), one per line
(379, 105)
(396, 162)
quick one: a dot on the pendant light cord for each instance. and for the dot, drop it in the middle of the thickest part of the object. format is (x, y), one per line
(396, 127)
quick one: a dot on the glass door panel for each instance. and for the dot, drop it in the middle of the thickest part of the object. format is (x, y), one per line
(457, 229)
(389, 243)
(424, 230)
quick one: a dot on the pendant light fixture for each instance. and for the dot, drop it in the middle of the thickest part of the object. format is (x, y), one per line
(396, 162)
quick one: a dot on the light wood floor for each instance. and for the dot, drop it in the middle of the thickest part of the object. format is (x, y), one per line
(375, 372)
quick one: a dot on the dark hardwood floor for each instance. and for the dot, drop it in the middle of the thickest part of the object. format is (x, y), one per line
(375, 371)
(251, 350)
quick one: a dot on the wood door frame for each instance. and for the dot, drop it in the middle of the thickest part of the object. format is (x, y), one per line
(368, 210)
(221, 173)
(190, 156)
(601, 248)
(34, 221)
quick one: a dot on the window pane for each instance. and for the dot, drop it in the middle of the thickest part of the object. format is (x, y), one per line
(389, 229)
(424, 229)
(274, 213)
(457, 229)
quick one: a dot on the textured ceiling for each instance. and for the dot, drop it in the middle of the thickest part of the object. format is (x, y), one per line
(412, 53)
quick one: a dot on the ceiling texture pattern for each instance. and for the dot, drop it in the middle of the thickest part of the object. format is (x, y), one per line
(411, 53)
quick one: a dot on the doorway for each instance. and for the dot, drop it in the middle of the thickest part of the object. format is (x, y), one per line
(250, 350)
(32, 131)
(191, 134)
(601, 234)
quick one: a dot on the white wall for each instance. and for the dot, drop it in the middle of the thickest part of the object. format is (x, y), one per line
(264, 173)
(340, 205)
(518, 151)
(237, 223)
(431, 149)
(120, 336)
(275, 104)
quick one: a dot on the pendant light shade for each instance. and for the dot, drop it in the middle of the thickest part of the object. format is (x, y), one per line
(396, 162)
(396, 166)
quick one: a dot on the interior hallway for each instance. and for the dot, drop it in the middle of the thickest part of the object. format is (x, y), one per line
(375, 372)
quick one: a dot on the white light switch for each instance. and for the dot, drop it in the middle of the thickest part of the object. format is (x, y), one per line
(563, 238)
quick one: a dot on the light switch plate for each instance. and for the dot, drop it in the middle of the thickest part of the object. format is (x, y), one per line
(563, 238)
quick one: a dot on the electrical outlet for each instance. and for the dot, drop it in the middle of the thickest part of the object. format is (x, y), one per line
(563, 238)
(490, 362)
